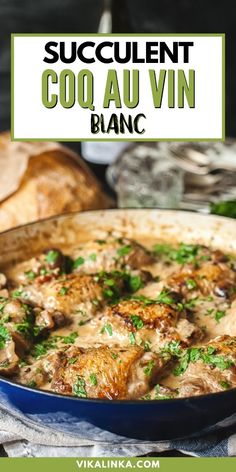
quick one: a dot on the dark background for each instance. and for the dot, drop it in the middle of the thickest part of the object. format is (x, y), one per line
(153, 16)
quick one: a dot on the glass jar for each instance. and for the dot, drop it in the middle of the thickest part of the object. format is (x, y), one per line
(144, 177)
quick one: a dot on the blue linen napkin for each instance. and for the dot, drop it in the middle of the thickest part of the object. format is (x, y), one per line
(23, 436)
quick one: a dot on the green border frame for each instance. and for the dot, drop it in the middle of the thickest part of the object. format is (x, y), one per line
(222, 35)
(136, 464)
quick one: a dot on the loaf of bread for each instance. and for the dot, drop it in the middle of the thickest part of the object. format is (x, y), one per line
(38, 180)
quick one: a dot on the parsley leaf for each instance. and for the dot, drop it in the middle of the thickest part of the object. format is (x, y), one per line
(63, 291)
(31, 384)
(72, 360)
(93, 379)
(17, 293)
(159, 396)
(135, 283)
(224, 384)
(132, 339)
(30, 274)
(149, 368)
(78, 262)
(172, 348)
(191, 284)
(124, 250)
(107, 328)
(219, 314)
(79, 389)
(164, 297)
(93, 257)
(4, 336)
(41, 349)
(52, 256)
(114, 355)
(137, 321)
(69, 339)
(183, 254)
(100, 241)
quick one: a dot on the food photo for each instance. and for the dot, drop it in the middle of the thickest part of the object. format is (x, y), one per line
(117, 268)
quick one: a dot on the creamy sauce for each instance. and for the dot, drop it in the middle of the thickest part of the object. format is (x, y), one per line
(89, 328)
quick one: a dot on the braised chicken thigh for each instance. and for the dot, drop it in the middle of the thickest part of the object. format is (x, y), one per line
(210, 368)
(104, 372)
(110, 254)
(151, 323)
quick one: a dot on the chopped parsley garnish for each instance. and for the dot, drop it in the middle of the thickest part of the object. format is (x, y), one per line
(63, 291)
(100, 241)
(3, 302)
(137, 321)
(124, 250)
(163, 249)
(191, 284)
(52, 256)
(113, 355)
(111, 283)
(227, 208)
(4, 336)
(159, 396)
(183, 254)
(69, 339)
(107, 292)
(117, 283)
(72, 360)
(82, 322)
(93, 257)
(188, 305)
(149, 368)
(95, 302)
(194, 354)
(5, 319)
(210, 311)
(107, 328)
(25, 328)
(81, 312)
(164, 297)
(182, 366)
(225, 384)
(17, 293)
(42, 348)
(172, 348)
(79, 389)
(78, 262)
(135, 283)
(93, 379)
(132, 339)
(30, 274)
(211, 358)
(22, 363)
(5, 364)
(146, 345)
(31, 384)
(37, 330)
(146, 397)
(219, 314)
